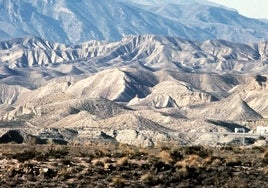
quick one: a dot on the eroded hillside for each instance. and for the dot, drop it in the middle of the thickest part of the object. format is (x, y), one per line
(140, 90)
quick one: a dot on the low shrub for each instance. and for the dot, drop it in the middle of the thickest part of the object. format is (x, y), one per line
(197, 150)
(25, 155)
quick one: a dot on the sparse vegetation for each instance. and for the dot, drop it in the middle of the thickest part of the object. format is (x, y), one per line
(122, 165)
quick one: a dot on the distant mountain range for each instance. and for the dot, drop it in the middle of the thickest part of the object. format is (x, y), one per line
(68, 21)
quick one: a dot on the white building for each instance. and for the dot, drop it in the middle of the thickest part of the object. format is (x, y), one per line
(239, 130)
(262, 130)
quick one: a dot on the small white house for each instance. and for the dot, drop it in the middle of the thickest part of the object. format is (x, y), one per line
(239, 130)
(262, 129)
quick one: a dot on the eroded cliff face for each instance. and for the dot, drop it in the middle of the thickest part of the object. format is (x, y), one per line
(255, 93)
(262, 47)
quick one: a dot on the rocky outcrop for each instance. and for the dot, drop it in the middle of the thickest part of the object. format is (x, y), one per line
(19, 137)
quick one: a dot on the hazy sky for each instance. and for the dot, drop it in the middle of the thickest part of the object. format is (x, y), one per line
(249, 8)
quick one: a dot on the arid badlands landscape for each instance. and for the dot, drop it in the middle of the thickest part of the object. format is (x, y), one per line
(144, 93)
(142, 90)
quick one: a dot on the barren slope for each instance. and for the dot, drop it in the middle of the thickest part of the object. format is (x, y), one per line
(140, 90)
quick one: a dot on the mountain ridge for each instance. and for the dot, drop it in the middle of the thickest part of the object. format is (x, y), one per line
(74, 22)
(148, 51)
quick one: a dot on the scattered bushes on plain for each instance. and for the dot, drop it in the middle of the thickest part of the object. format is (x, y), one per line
(99, 165)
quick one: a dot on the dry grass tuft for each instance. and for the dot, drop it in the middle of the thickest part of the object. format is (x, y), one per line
(147, 178)
(97, 162)
(265, 156)
(118, 181)
(165, 156)
(191, 161)
(216, 162)
(122, 162)
(201, 151)
(182, 172)
(64, 174)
